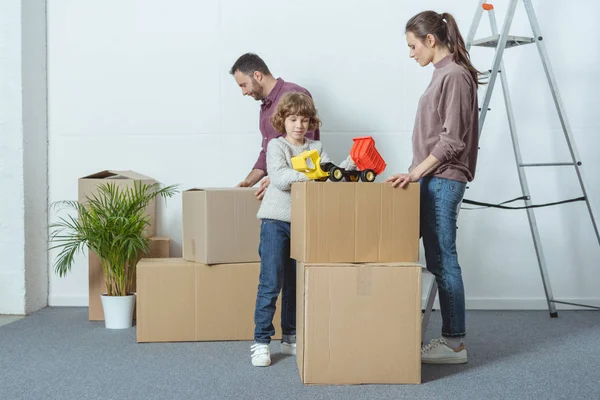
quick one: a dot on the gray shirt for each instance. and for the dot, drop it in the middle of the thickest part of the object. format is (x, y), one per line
(447, 122)
(277, 203)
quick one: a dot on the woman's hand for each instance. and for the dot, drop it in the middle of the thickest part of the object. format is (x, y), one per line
(402, 179)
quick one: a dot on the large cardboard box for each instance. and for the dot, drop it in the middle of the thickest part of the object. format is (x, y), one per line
(354, 222)
(88, 186)
(159, 248)
(359, 323)
(220, 225)
(184, 301)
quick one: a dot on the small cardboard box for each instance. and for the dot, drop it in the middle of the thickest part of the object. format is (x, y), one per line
(184, 301)
(336, 222)
(88, 186)
(220, 225)
(358, 323)
(159, 248)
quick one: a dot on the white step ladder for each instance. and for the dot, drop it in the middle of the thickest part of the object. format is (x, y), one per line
(500, 42)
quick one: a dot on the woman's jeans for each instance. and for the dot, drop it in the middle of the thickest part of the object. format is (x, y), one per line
(440, 201)
(277, 270)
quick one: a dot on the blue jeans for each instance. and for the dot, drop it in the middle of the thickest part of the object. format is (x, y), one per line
(277, 270)
(440, 200)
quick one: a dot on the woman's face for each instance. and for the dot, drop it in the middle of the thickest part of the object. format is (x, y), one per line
(421, 51)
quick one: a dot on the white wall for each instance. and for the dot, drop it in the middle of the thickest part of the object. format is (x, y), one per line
(23, 157)
(12, 229)
(144, 85)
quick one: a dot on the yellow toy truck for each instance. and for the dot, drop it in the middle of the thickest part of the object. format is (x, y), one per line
(316, 171)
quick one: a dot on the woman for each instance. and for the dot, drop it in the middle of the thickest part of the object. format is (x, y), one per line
(445, 140)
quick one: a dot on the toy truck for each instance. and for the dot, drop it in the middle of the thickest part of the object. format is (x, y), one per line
(363, 153)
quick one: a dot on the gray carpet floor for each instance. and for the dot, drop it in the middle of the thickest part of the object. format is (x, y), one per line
(57, 354)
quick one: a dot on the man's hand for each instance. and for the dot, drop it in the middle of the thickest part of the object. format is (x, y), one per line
(260, 193)
(401, 179)
(254, 176)
(244, 183)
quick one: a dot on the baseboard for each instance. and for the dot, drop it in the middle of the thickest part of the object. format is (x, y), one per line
(68, 301)
(520, 304)
(472, 303)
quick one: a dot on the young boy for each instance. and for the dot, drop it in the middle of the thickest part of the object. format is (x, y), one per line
(295, 115)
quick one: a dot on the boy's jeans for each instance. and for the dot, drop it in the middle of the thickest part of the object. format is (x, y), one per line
(440, 200)
(277, 269)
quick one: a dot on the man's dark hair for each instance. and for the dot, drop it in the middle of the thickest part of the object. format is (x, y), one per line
(248, 63)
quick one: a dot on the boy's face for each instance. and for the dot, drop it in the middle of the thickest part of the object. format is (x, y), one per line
(296, 126)
(249, 85)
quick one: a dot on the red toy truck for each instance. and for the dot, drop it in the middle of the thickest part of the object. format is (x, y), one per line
(367, 159)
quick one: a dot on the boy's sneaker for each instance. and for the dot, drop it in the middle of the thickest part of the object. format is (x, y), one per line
(261, 355)
(288, 345)
(288, 349)
(438, 352)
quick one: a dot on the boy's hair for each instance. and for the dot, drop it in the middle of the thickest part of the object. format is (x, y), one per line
(248, 63)
(295, 103)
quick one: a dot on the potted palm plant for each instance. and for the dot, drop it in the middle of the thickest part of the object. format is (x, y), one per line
(111, 223)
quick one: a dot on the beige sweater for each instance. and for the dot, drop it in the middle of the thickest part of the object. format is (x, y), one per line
(277, 203)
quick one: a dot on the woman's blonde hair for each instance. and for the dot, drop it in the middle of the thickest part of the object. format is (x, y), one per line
(295, 103)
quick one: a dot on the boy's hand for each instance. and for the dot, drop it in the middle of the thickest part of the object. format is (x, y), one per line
(260, 193)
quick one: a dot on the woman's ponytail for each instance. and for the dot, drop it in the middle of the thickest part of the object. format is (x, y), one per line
(444, 28)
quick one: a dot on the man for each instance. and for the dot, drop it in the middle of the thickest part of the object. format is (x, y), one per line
(253, 76)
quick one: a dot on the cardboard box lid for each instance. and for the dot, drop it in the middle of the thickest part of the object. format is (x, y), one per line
(362, 264)
(112, 174)
(148, 262)
(221, 189)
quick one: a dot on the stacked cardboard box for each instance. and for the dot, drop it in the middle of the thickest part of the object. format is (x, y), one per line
(210, 293)
(358, 284)
(159, 246)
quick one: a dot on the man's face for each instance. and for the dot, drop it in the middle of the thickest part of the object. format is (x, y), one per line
(249, 85)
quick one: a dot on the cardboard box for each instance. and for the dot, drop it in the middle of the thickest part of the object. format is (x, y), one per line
(88, 186)
(336, 222)
(359, 323)
(220, 225)
(159, 248)
(184, 301)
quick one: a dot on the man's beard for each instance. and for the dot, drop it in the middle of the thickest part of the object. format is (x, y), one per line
(256, 92)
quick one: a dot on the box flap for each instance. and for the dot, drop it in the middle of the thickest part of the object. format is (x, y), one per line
(112, 174)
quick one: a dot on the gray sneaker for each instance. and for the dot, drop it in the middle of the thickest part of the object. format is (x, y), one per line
(438, 352)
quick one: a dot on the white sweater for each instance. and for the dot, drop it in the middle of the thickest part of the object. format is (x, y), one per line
(277, 203)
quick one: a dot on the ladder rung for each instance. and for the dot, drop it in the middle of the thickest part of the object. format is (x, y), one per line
(512, 41)
(559, 164)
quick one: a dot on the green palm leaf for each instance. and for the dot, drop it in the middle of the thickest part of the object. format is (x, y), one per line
(111, 222)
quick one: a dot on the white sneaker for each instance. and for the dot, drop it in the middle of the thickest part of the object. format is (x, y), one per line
(438, 352)
(288, 349)
(261, 355)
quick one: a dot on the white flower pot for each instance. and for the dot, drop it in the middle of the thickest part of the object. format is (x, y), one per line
(118, 311)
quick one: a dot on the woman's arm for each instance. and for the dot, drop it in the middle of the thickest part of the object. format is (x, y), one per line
(455, 112)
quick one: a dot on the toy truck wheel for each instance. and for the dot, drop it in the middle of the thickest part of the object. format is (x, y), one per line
(336, 174)
(368, 175)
